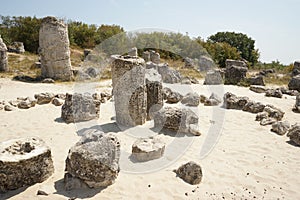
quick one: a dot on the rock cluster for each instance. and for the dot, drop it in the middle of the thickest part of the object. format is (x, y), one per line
(54, 49)
(24, 162)
(93, 162)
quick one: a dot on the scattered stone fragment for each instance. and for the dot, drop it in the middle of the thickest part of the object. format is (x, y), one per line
(294, 83)
(174, 97)
(231, 101)
(145, 149)
(213, 77)
(258, 88)
(41, 192)
(294, 134)
(93, 161)
(297, 104)
(191, 99)
(24, 162)
(168, 74)
(26, 103)
(280, 127)
(256, 80)
(9, 108)
(274, 93)
(253, 107)
(44, 98)
(190, 172)
(57, 102)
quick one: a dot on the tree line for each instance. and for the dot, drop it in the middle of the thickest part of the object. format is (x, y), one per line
(113, 39)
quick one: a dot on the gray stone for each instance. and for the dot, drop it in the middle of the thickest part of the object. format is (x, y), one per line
(86, 52)
(154, 92)
(189, 63)
(274, 112)
(93, 72)
(238, 63)
(154, 57)
(80, 107)
(213, 78)
(3, 57)
(168, 74)
(203, 98)
(44, 98)
(26, 103)
(258, 89)
(286, 91)
(9, 108)
(133, 52)
(16, 47)
(190, 172)
(57, 101)
(174, 97)
(280, 127)
(54, 49)
(129, 89)
(166, 92)
(145, 149)
(191, 99)
(214, 96)
(297, 104)
(267, 121)
(177, 120)
(296, 69)
(206, 63)
(294, 133)
(274, 93)
(146, 56)
(235, 74)
(256, 80)
(253, 107)
(231, 101)
(186, 81)
(262, 115)
(24, 162)
(294, 83)
(93, 161)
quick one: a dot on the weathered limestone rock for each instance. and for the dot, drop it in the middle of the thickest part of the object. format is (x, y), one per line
(294, 83)
(206, 63)
(166, 92)
(93, 161)
(253, 107)
(133, 52)
(145, 149)
(25, 103)
(191, 99)
(294, 134)
(3, 56)
(297, 104)
(274, 93)
(190, 172)
(235, 74)
(80, 107)
(16, 47)
(168, 74)
(213, 78)
(179, 120)
(256, 80)
(280, 127)
(24, 162)
(286, 91)
(231, 101)
(296, 69)
(189, 63)
(274, 112)
(8, 108)
(129, 89)
(174, 97)
(237, 63)
(146, 56)
(185, 80)
(258, 89)
(154, 57)
(57, 102)
(44, 98)
(154, 92)
(54, 49)
(213, 100)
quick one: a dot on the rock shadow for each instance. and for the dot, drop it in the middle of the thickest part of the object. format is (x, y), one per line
(292, 143)
(106, 128)
(9, 194)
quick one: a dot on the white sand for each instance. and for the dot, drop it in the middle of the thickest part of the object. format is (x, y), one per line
(247, 160)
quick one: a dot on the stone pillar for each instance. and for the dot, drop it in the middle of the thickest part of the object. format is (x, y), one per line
(154, 57)
(146, 56)
(54, 49)
(129, 89)
(3, 56)
(154, 92)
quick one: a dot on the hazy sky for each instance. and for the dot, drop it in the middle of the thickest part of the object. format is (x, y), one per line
(273, 24)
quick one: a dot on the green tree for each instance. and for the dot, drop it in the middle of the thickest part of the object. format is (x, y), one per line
(244, 44)
(81, 34)
(105, 32)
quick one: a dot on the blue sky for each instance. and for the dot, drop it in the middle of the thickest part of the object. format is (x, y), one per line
(273, 24)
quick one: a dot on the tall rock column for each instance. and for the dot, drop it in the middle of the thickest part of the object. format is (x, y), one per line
(129, 89)
(54, 49)
(3, 56)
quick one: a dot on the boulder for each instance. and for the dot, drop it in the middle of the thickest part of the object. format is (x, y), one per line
(297, 104)
(256, 80)
(133, 52)
(174, 97)
(253, 107)
(92, 72)
(129, 88)
(189, 63)
(258, 89)
(3, 57)
(280, 127)
(80, 107)
(146, 56)
(177, 120)
(206, 63)
(286, 91)
(16, 47)
(274, 93)
(296, 69)
(168, 74)
(166, 92)
(235, 74)
(154, 92)
(203, 98)
(213, 78)
(213, 100)
(267, 121)
(24, 162)
(154, 57)
(274, 112)
(294, 134)
(265, 72)
(57, 102)
(145, 149)
(190, 172)
(8, 108)
(294, 83)
(93, 161)
(26, 103)
(54, 49)
(44, 98)
(231, 101)
(238, 63)
(262, 115)
(191, 99)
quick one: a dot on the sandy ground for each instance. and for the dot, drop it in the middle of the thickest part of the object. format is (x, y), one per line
(239, 158)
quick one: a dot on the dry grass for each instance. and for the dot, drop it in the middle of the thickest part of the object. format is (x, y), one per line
(277, 79)
(76, 56)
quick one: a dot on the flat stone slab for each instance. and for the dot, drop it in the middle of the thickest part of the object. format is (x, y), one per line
(145, 149)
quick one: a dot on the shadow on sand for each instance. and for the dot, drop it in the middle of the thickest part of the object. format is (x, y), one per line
(12, 193)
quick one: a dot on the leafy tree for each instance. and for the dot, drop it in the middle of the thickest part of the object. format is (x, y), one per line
(81, 34)
(244, 44)
(104, 32)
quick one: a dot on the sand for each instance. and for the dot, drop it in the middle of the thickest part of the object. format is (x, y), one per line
(239, 158)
